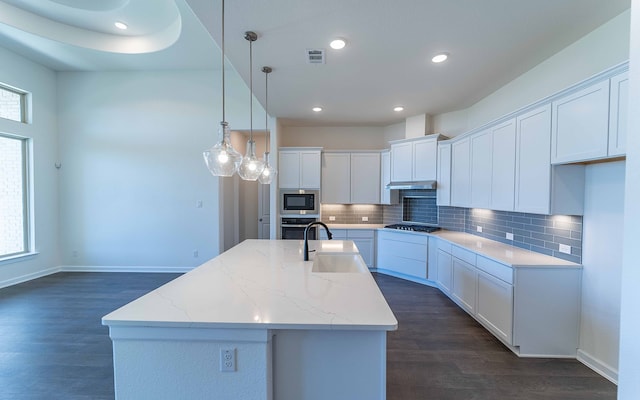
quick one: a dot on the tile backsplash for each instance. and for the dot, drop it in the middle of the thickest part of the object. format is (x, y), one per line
(351, 213)
(540, 233)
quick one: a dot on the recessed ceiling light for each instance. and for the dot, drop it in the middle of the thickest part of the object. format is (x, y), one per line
(398, 108)
(438, 58)
(121, 25)
(338, 44)
(317, 109)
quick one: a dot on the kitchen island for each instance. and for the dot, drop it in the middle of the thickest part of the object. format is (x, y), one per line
(258, 310)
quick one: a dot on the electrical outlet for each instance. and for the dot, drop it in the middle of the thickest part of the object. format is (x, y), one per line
(227, 360)
(195, 254)
(509, 236)
(199, 204)
(565, 249)
(479, 228)
(365, 219)
(74, 253)
(332, 218)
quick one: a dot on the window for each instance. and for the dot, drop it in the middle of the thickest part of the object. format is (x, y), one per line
(14, 200)
(12, 104)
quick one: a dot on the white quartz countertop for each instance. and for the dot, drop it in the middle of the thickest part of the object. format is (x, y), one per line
(502, 253)
(355, 226)
(264, 284)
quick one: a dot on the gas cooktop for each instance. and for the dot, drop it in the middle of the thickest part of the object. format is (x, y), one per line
(413, 227)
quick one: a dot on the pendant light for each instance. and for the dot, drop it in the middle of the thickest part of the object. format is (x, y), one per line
(269, 172)
(251, 167)
(222, 159)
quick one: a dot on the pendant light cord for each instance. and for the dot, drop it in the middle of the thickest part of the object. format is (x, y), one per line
(223, 110)
(266, 109)
(251, 90)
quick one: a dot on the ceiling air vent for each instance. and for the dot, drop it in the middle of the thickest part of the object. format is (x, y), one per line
(315, 56)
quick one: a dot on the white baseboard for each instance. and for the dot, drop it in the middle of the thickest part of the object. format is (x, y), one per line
(598, 366)
(28, 277)
(121, 268)
(405, 277)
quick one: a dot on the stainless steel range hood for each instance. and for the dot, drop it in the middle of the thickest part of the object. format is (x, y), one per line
(412, 185)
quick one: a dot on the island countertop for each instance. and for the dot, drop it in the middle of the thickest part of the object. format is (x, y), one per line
(264, 284)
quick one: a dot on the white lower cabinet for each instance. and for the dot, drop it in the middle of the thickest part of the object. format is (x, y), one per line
(403, 253)
(494, 308)
(533, 310)
(464, 288)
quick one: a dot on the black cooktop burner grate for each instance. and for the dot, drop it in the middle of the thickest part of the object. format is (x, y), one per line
(413, 227)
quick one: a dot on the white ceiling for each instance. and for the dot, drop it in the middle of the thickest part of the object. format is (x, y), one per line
(386, 61)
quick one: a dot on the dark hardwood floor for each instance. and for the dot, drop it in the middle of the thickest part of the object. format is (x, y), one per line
(53, 346)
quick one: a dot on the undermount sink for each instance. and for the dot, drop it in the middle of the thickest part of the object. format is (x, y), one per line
(338, 262)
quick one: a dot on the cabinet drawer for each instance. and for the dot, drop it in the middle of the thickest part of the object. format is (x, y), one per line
(500, 271)
(464, 255)
(444, 246)
(360, 234)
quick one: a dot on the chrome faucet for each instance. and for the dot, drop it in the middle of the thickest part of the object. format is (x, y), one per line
(306, 239)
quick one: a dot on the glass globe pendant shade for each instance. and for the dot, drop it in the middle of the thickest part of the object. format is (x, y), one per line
(250, 167)
(222, 159)
(269, 172)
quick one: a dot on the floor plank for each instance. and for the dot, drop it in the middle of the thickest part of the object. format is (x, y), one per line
(53, 346)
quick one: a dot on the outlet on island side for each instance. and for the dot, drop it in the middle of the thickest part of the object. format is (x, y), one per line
(227, 360)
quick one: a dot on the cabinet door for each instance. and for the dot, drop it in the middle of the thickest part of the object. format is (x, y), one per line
(503, 166)
(310, 169)
(443, 188)
(533, 165)
(401, 161)
(618, 112)
(444, 271)
(365, 247)
(481, 145)
(387, 196)
(460, 173)
(365, 178)
(424, 160)
(495, 306)
(580, 124)
(289, 169)
(335, 178)
(464, 285)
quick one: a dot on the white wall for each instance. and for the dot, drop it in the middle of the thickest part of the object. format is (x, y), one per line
(132, 169)
(334, 137)
(629, 384)
(602, 260)
(604, 47)
(41, 83)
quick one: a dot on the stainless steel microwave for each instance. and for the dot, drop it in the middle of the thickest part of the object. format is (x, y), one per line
(299, 201)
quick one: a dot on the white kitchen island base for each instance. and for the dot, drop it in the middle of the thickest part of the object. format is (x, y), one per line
(295, 334)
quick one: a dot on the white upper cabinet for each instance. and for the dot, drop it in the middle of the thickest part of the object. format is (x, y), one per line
(443, 192)
(580, 124)
(618, 112)
(336, 182)
(425, 159)
(351, 178)
(461, 173)
(503, 164)
(401, 162)
(414, 159)
(533, 165)
(387, 196)
(365, 178)
(481, 144)
(299, 168)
